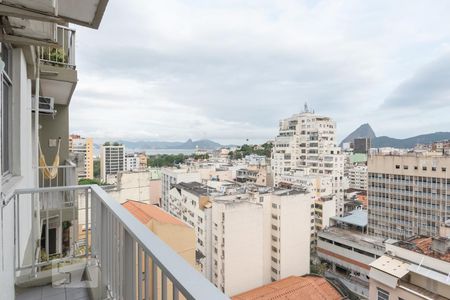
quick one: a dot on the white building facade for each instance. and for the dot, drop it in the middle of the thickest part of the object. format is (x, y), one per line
(132, 162)
(237, 246)
(172, 176)
(290, 233)
(358, 177)
(112, 161)
(307, 142)
(190, 202)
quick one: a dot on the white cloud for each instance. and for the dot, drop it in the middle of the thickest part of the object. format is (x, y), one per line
(229, 70)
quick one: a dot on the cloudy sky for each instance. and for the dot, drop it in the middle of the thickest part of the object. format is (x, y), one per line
(229, 70)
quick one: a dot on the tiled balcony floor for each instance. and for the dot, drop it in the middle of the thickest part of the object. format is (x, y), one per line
(48, 292)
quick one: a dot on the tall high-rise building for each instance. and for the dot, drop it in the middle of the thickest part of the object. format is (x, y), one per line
(361, 145)
(307, 142)
(84, 147)
(112, 161)
(408, 194)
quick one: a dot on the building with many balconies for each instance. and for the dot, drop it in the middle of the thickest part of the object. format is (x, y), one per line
(307, 142)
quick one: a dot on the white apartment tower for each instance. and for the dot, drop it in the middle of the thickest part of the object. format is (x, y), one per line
(237, 239)
(307, 142)
(131, 162)
(112, 161)
(290, 233)
(84, 147)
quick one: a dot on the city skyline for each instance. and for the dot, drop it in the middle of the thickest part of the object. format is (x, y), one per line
(257, 63)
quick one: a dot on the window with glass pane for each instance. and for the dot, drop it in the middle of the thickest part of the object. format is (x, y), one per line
(382, 294)
(6, 97)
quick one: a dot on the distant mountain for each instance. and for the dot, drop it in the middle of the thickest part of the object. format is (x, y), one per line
(189, 144)
(384, 141)
(363, 131)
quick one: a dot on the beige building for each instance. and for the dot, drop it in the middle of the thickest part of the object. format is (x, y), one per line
(142, 186)
(155, 191)
(321, 189)
(85, 148)
(290, 233)
(408, 194)
(415, 269)
(237, 239)
(175, 233)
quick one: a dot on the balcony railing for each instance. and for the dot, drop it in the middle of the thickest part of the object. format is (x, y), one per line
(131, 262)
(64, 55)
(64, 175)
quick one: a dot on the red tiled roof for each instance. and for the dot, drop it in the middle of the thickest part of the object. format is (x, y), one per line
(145, 212)
(424, 245)
(294, 287)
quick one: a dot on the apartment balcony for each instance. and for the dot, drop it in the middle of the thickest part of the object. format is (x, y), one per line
(62, 175)
(90, 247)
(57, 66)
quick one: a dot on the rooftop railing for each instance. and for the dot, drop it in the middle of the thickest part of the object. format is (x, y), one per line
(64, 55)
(132, 262)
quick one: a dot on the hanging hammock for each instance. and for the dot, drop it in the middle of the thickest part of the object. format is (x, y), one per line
(49, 172)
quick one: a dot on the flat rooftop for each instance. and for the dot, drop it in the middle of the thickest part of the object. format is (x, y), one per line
(392, 266)
(357, 217)
(289, 192)
(355, 236)
(195, 188)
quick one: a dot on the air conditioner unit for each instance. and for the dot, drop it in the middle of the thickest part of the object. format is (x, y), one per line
(46, 105)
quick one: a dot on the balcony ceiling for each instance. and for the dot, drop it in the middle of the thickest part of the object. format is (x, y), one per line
(61, 91)
(88, 13)
(58, 83)
(27, 31)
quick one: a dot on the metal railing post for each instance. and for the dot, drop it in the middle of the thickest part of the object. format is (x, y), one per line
(86, 201)
(128, 267)
(33, 237)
